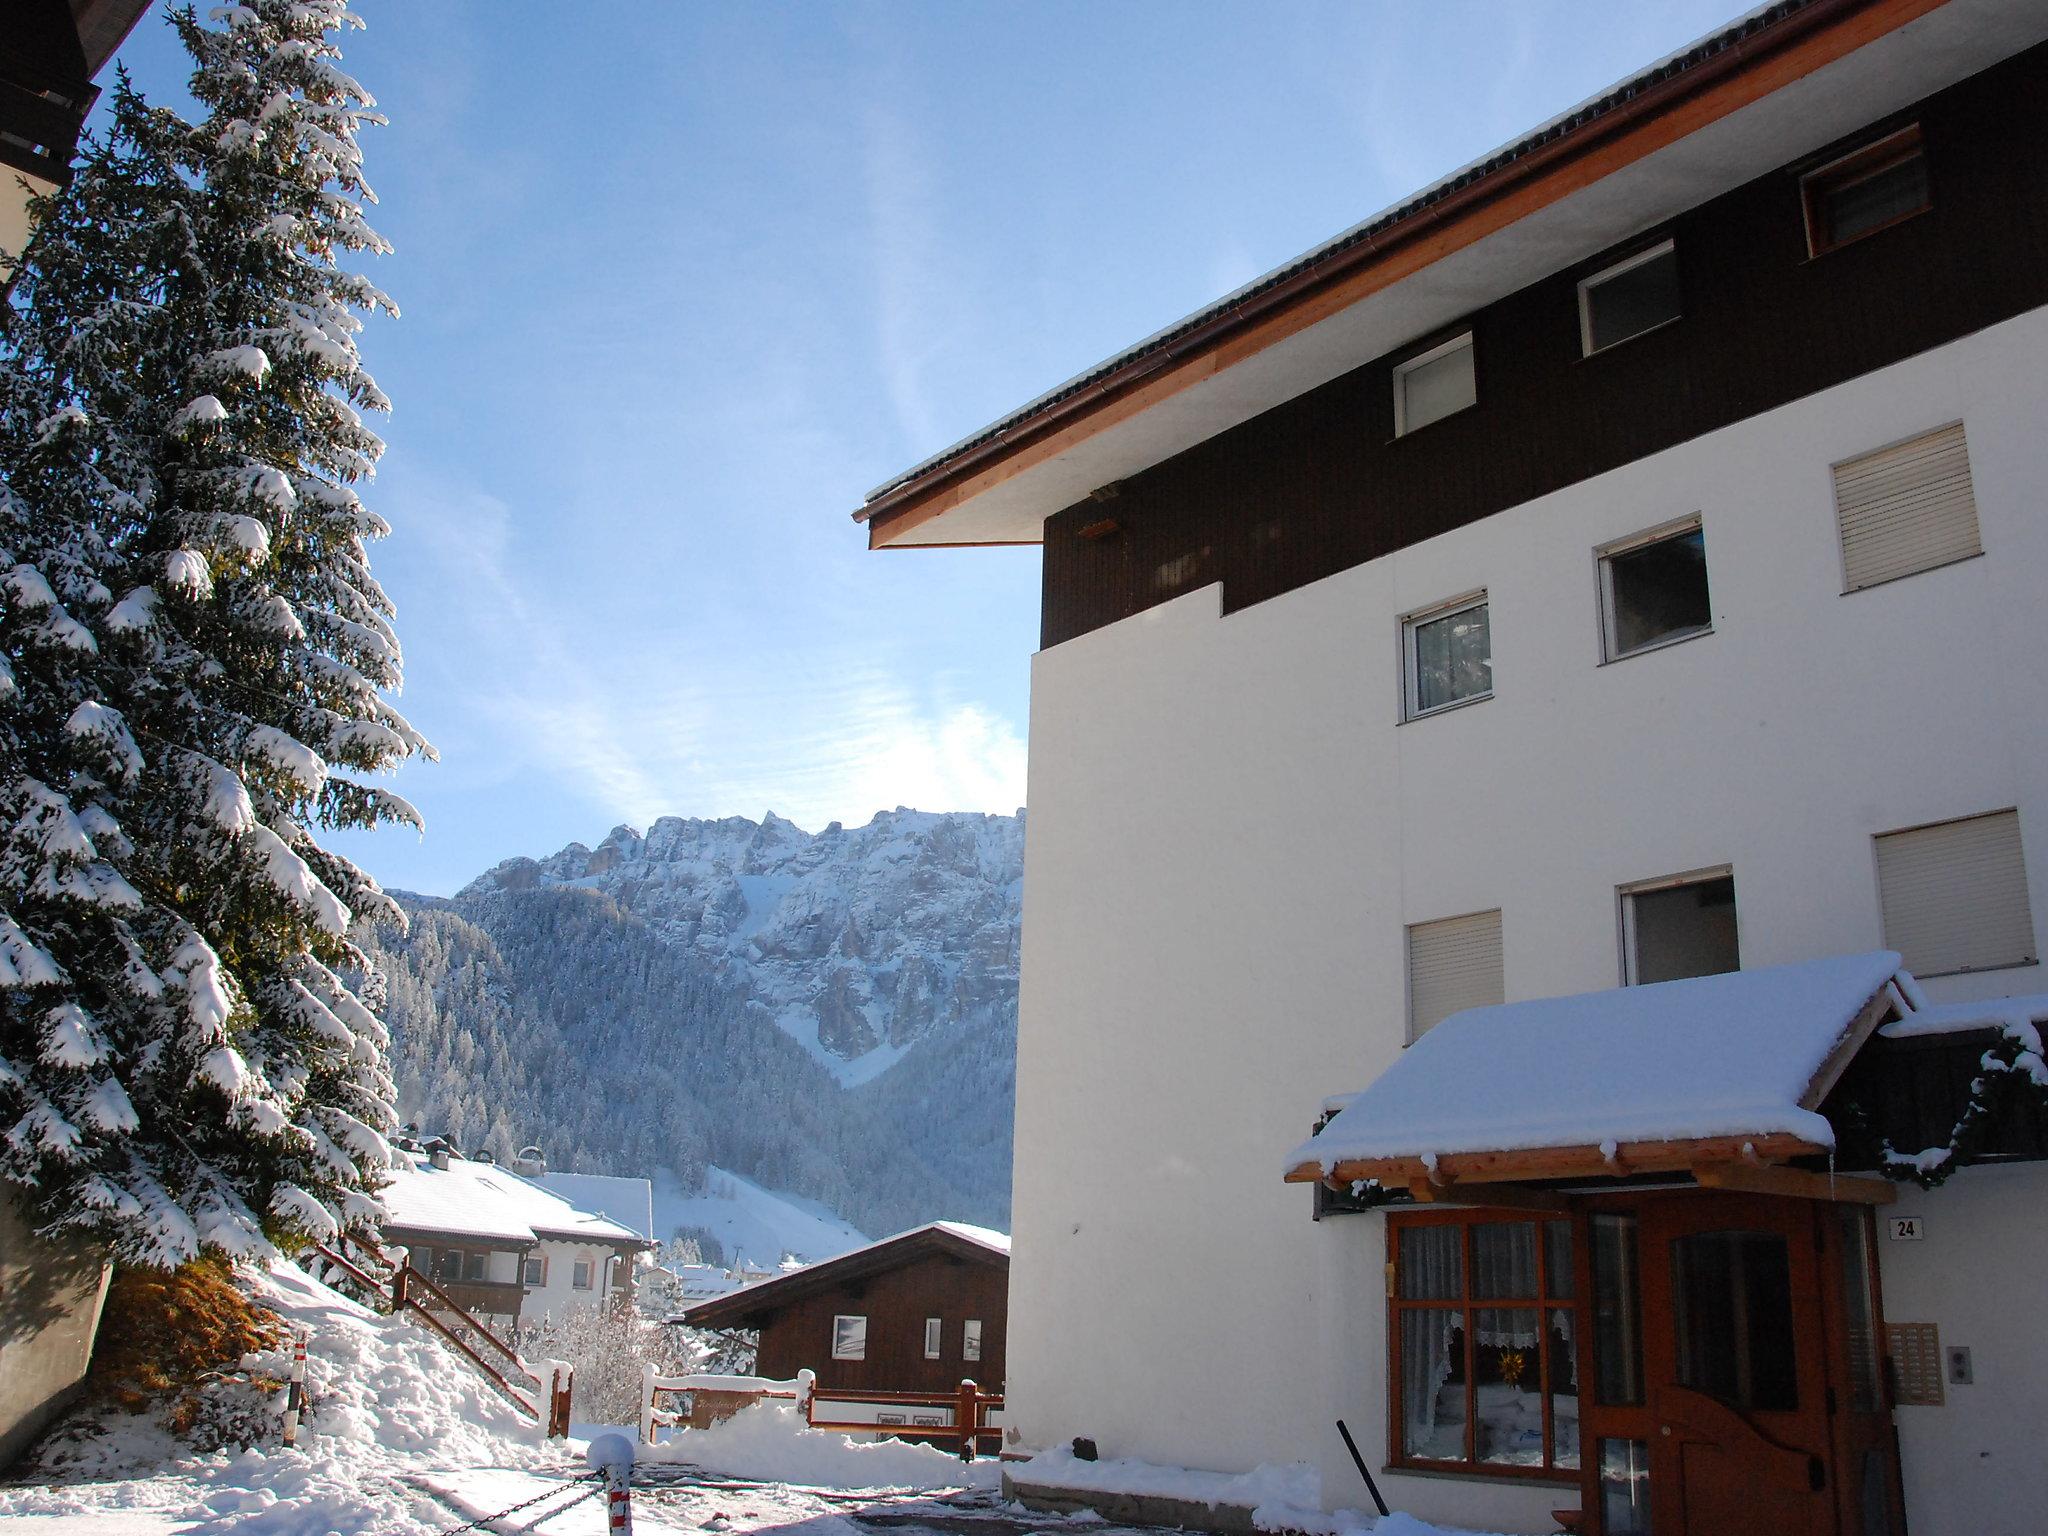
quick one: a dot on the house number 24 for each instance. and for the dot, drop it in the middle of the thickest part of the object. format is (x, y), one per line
(1906, 1229)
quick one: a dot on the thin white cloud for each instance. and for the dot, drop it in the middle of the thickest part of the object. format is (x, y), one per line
(640, 726)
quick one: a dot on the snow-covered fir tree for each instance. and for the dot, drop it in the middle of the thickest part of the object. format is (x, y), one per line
(196, 664)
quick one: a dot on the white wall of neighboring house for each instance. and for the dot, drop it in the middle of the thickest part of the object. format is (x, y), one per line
(1230, 830)
(559, 1295)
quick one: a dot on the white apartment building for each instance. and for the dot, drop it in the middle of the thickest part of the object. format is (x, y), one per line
(1615, 566)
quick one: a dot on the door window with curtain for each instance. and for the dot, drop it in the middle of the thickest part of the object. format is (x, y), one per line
(1484, 1322)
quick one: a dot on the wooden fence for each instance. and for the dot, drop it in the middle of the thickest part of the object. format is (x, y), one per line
(961, 1415)
(400, 1288)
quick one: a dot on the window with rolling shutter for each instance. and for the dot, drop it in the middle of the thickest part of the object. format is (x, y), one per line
(1906, 508)
(1453, 964)
(1955, 895)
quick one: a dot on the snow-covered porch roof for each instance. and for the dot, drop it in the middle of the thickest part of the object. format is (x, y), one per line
(1716, 1076)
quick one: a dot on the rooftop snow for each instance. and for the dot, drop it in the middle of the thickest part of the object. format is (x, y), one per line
(488, 1201)
(2006, 1013)
(629, 1202)
(1728, 1055)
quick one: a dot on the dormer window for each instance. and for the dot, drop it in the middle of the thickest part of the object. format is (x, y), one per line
(1434, 384)
(1867, 190)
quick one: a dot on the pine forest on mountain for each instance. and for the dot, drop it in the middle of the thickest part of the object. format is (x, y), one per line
(718, 994)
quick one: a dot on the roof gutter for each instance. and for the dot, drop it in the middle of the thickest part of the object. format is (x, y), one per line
(1487, 185)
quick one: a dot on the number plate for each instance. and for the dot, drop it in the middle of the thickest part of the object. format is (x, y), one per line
(1905, 1229)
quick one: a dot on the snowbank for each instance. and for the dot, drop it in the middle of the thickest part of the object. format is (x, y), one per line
(1282, 1496)
(388, 1402)
(770, 1441)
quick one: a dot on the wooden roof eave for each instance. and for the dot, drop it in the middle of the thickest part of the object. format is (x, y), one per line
(1540, 1165)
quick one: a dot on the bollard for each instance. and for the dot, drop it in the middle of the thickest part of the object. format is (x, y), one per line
(613, 1456)
(966, 1417)
(647, 1379)
(295, 1393)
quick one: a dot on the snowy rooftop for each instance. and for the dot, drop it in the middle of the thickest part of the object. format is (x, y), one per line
(2014, 1015)
(488, 1201)
(874, 1257)
(629, 1202)
(1712, 1056)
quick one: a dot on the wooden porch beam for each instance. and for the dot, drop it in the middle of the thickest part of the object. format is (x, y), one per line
(1798, 1183)
(1513, 1197)
(1573, 1162)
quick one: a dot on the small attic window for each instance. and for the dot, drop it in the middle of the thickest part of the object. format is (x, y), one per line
(1434, 384)
(1629, 298)
(1869, 189)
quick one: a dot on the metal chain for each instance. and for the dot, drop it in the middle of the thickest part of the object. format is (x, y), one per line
(483, 1521)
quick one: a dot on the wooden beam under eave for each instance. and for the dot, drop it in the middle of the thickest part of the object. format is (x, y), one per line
(1797, 1184)
(1540, 1164)
(1511, 1197)
(1854, 1038)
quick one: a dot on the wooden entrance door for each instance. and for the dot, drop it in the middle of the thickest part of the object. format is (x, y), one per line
(1724, 1420)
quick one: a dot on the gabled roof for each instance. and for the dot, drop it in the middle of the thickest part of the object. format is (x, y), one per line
(629, 1202)
(1648, 1078)
(488, 1202)
(1782, 81)
(951, 1239)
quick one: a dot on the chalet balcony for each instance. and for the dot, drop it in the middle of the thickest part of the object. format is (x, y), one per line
(483, 1298)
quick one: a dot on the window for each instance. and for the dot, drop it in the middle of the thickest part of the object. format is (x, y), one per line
(1906, 508)
(849, 1338)
(475, 1266)
(1629, 298)
(1485, 1374)
(1447, 654)
(934, 1335)
(533, 1270)
(1433, 385)
(1653, 590)
(1453, 964)
(970, 1340)
(583, 1274)
(1955, 895)
(1869, 189)
(1683, 926)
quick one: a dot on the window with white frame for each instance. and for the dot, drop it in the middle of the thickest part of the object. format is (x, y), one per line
(934, 1336)
(583, 1275)
(1955, 895)
(970, 1340)
(1453, 964)
(1632, 296)
(1447, 656)
(1680, 926)
(849, 1338)
(1906, 508)
(1653, 590)
(1434, 384)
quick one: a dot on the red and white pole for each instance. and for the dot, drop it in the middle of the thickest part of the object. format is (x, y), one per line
(613, 1456)
(295, 1393)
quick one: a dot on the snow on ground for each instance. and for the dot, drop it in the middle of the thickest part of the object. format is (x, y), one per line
(758, 1224)
(769, 1440)
(389, 1401)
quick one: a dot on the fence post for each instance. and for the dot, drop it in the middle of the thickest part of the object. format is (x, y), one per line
(613, 1456)
(966, 1414)
(561, 1385)
(295, 1393)
(647, 1378)
(806, 1387)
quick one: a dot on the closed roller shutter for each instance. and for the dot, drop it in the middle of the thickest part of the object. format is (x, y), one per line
(1955, 895)
(1452, 964)
(1906, 508)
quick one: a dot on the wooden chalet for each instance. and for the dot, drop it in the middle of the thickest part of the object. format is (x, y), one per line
(918, 1312)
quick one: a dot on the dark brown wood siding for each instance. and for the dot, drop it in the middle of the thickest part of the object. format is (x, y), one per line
(1321, 484)
(896, 1302)
(1909, 1095)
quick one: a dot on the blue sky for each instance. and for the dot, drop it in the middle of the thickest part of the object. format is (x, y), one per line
(682, 281)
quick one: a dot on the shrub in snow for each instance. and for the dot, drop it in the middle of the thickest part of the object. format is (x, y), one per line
(609, 1350)
(194, 663)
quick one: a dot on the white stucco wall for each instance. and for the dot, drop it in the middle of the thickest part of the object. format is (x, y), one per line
(1229, 831)
(559, 1295)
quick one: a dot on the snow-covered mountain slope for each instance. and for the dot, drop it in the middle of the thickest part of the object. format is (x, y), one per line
(832, 1018)
(754, 1226)
(858, 943)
